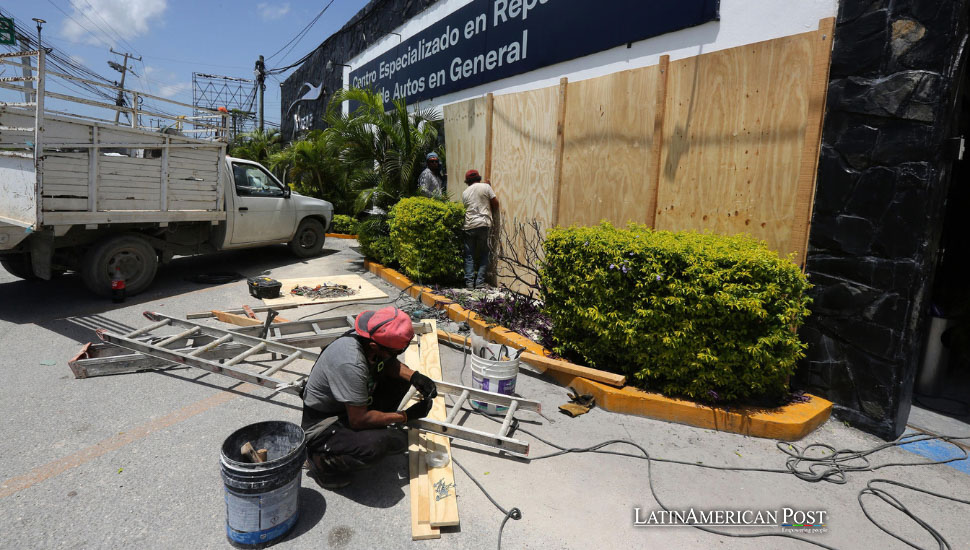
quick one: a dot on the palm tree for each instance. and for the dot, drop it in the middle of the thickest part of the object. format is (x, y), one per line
(383, 151)
(313, 167)
(256, 145)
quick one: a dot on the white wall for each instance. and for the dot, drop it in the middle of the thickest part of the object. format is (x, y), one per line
(742, 22)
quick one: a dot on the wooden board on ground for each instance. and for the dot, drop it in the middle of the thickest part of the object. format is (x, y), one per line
(444, 500)
(365, 290)
(421, 528)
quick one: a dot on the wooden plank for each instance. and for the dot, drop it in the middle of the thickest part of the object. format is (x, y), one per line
(734, 134)
(93, 154)
(547, 363)
(610, 145)
(65, 204)
(464, 141)
(126, 204)
(524, 143)
(420, 492)
(444, 497)
(191, 205)
(560, 146)
(658, 134)
(242, 320)
(60, 190)
(805, 194)
(123, 216)
(489, 119)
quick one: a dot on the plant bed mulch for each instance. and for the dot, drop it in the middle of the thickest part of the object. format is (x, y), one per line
(789, 422)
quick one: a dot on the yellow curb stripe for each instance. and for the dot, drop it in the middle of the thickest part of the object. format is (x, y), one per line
(790, 423)
(340, 236)
(57, 467)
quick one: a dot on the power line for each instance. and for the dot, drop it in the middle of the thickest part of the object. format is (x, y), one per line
(299, 36)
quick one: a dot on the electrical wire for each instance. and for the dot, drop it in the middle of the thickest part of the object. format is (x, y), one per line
(835, 464)
(299, 36)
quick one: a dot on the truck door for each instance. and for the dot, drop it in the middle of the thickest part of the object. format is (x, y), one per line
(264, 213)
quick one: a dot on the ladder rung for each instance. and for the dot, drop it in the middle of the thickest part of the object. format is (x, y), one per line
(289, 359)
(315, 327)
(508, 419)
(251, 351)
(457, 407)
(211, 345)
(149, 328)
(178, 336)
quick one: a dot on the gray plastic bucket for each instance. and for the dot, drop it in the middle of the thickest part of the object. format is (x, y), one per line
(261, 499)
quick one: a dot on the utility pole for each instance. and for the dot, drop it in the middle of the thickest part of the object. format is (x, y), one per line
(260, 87)
(123, 69)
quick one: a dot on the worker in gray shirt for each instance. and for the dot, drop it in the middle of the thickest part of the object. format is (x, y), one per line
(352, 394)
(430, 182)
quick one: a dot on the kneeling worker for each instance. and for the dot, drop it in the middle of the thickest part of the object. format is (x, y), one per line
(352, 394)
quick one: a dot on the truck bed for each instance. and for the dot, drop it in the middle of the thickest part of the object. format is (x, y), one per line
(101, 173)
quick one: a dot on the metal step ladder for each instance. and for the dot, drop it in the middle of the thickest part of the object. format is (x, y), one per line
(218, 351)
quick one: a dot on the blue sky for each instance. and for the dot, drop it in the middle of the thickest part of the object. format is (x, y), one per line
(178, 37)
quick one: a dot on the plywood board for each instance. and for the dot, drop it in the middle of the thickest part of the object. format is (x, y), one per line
(734, 131)
(420, 490)
(464, 142)
(365, 290)
(609, 145)
(524, 160)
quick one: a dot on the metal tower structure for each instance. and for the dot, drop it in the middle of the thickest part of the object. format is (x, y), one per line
(235, 95)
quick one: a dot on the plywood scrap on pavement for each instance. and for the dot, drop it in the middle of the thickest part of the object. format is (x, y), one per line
(363, 290)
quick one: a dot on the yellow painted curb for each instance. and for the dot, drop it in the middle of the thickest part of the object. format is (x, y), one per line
(340, 236)
(789, 423)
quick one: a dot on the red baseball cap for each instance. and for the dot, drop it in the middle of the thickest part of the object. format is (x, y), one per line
(389, 327)
(471, 174)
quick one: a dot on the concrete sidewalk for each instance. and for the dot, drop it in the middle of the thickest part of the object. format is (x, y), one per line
(132, 461)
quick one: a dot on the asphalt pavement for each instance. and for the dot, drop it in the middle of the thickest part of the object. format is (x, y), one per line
(132, 460)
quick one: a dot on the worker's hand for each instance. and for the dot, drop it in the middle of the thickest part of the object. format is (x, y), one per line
(419, 409)
(424, 385)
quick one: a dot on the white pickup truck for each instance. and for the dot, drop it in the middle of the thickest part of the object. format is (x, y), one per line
(87, 196)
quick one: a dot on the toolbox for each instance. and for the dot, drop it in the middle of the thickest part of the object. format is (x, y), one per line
(264, 287)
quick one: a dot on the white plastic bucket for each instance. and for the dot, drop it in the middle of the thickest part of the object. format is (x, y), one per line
(493, 376)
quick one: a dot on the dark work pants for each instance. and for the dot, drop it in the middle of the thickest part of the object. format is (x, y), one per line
(475, 250)
(345, 449)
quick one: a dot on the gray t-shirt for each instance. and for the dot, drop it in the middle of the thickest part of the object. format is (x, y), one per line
(340, 377)
(430, 184)
(477, 199)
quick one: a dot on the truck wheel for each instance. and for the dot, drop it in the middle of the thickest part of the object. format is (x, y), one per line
(136, 258)
(18, 266)
(309, 238)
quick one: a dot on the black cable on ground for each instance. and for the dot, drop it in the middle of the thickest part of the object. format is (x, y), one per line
(834, 464)
(388, 301)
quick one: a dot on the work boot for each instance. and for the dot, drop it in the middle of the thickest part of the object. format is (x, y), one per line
(326, 475)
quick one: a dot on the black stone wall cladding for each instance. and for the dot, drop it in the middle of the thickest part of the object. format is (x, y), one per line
(882, 181)
(373, 22)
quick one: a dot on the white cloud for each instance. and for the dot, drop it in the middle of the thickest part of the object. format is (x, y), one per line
(269, 11)
(172, 90)
(77, 59)
(104, 21)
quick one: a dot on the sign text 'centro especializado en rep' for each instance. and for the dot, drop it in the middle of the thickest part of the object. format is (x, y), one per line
(488, 40)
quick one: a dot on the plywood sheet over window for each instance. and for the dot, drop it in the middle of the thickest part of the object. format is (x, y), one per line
(523, 158)
(608, 162)
(465, 142)
(734, 130)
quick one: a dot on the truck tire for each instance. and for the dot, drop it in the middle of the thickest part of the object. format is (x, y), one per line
(18, 266)
(309, 238)
(136, 258)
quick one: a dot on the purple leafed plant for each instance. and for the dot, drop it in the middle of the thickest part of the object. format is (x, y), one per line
(513, 311)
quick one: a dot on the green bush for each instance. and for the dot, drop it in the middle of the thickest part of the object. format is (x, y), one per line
(374, 236)
(710, 317)
(344, 225)
(426, 234)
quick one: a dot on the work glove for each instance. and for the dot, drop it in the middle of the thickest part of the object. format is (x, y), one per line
(424, 385)
(418, 410)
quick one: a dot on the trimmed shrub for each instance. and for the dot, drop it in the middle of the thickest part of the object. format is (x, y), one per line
(426, 234)
(344, 225)
(374, 236)
(710, 317)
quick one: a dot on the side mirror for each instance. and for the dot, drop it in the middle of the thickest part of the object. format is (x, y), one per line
(287, 192)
